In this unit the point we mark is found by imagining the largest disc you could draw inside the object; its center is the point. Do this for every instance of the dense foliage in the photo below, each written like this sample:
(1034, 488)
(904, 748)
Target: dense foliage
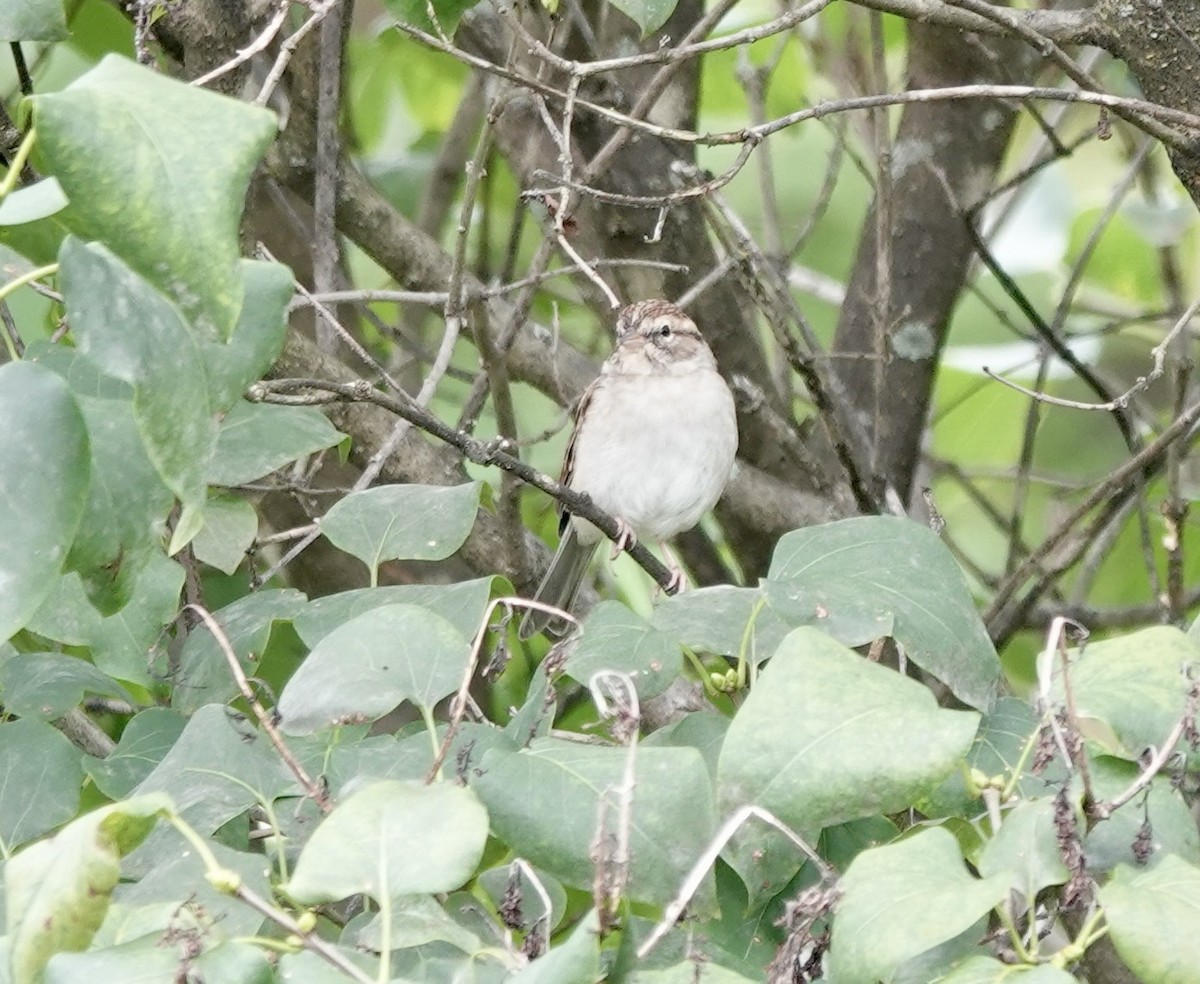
(263, 518)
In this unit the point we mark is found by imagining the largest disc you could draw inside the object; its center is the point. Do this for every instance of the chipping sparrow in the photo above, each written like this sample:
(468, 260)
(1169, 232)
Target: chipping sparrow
(654, 442)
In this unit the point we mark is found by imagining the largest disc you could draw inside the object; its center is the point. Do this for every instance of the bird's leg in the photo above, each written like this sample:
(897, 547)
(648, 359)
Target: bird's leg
(678, 579)
(626, 538)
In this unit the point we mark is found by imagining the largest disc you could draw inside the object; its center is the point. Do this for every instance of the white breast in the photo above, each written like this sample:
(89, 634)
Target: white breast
(657, 450)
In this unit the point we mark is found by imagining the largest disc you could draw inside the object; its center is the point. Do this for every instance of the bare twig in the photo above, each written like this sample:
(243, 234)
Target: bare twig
(612, 862)
(706, 860)
(480, 452)
(1159, 758)
(261, 41)
(1159, 352)
(315, 790)
(288, 48)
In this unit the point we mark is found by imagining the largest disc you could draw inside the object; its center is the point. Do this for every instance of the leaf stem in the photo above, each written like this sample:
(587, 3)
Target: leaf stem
(1013, 936)
(225, 880)
(701, 672)
(1010, 787)
(746, 634)
(27, 278)
(431, 728)
(18, 164)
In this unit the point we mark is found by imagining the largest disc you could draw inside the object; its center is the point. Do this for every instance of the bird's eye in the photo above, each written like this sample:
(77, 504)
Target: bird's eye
(663, 330)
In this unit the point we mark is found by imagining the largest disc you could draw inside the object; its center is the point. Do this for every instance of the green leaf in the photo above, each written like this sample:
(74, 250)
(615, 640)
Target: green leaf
(691, 972)
(904, 899)
(402, 522)
(257, 438)
(496, 882)
(985, 970)
(371, 664)
(716, 620)
(1169, 822)
(418, 920)
(212, 773)
(545, 803)
(144, 743)
(649, 15)
(32, 20)
(461, 604)
(128, 504)
(204, 676)
(1152, 918)
(307, 968)
(43, 485)
(179, 878)
(416, 13)
(392, 839)
(1026, 848)
(872, 576)
(841, 844)
(58, 890)
(39, 781)
(257, 337)
(345, 764)
(574, 961)
(178, 159)
(47, 685)
(535, 716)
(230, 526)
(702, 730)
(132, 332)
(824, 737)
(124, 645)
(1135, 684)
(140, 961)
(235, 962)
(997, 752)
(38, 201)
(615, 638)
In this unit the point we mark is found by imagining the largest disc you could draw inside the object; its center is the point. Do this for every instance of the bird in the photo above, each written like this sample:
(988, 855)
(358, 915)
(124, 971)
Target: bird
(654, 443)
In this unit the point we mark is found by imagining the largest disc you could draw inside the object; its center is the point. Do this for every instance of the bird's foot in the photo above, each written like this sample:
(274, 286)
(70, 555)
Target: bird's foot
(626, 538)
(678, 581)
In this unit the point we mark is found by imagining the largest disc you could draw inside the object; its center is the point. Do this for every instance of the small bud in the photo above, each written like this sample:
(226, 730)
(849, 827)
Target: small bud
(224, 880)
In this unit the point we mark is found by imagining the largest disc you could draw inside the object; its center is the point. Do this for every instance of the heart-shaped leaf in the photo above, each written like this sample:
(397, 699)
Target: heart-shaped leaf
(545, 803)
(1152, 918)
(873, 576)
(176, 160)
(393, 839)
(824, 737)
(901, 900)
(402, 522)
(43, 446)
(372, 663)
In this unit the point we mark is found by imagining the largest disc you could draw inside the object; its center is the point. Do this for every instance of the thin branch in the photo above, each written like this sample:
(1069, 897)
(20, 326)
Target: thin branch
(1070, 27)
(1160, 757)
(288, 48)
(325, 253)
(612, 866)
(458, 706)
(695, 877)
(313, 789)
(1132, 470)
(1180, 141)
(260, 43)
(1159, 352)
(479, 452)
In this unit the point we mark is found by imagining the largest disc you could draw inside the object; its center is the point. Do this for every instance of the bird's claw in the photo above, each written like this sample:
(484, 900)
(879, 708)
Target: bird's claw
(625, 540)
(677, 582)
